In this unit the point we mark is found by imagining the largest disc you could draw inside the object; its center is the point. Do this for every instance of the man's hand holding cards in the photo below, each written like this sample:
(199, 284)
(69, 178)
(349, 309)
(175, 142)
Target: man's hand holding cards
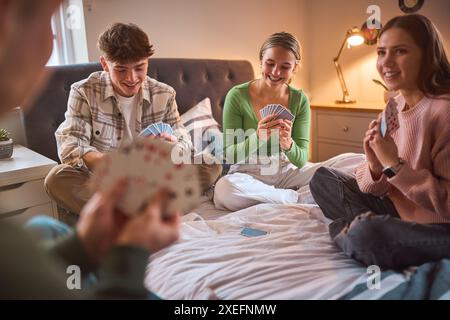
(159, 129)
(148, 168)
(156, 129)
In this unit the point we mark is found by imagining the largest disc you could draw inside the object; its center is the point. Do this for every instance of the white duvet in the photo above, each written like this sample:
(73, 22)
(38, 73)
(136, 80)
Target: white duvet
(295, 260)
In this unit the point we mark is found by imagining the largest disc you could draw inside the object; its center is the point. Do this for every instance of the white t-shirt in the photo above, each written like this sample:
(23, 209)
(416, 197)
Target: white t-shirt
(128, 107)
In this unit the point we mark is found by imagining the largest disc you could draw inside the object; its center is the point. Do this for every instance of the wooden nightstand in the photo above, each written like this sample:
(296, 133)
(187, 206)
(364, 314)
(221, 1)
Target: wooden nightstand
(22, 193)
(337, 128)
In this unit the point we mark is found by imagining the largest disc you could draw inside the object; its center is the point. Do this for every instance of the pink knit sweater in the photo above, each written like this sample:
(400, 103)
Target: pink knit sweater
(420, 189)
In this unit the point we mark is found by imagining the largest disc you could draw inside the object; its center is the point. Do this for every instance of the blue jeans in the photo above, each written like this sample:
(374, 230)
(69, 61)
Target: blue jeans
(45, 228)
(369, 229)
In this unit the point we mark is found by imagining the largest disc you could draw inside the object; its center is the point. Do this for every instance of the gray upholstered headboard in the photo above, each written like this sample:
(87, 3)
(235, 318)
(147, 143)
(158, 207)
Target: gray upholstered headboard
(192, 79)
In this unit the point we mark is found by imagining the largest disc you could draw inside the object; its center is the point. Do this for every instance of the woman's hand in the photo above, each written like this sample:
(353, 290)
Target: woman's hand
(286, 135)
(264, 127)
(376, 168)
(385, 149)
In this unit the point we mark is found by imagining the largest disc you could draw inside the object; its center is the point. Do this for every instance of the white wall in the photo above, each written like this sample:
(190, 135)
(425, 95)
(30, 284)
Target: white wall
(235, 29)
(215, 29)
(328, 20)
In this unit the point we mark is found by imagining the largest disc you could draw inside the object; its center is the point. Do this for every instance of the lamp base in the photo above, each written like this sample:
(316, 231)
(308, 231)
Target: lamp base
(345, 101)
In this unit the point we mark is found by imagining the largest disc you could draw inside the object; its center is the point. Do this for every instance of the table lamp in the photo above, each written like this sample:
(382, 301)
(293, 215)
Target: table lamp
(353, 37)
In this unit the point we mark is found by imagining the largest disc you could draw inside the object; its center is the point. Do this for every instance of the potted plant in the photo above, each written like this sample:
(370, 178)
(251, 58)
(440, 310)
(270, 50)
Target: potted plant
(6, 144)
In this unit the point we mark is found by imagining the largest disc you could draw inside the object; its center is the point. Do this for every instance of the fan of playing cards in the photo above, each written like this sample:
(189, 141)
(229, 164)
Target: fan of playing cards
(156, 129)
(148, 167)
(277, 109)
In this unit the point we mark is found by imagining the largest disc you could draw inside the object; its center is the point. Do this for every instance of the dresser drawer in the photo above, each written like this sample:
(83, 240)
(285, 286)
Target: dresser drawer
(22, 195)
(343, 126)
(23, 215)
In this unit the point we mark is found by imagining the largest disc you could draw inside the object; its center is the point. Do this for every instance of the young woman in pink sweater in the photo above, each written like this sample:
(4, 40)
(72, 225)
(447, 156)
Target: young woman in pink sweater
(396, 212)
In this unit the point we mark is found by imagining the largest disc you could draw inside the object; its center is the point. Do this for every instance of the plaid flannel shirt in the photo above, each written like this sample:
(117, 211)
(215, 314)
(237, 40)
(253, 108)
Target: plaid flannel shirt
(94, 120)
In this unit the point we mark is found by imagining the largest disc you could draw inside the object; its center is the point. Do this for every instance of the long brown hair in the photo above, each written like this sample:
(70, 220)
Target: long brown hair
(434, 76)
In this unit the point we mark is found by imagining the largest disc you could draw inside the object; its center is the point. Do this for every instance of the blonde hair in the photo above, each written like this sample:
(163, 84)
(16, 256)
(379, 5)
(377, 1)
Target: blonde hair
(282, 39)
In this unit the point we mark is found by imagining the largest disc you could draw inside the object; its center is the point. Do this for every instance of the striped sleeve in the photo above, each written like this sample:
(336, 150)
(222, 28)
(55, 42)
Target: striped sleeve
(73, 136)
(172, 117)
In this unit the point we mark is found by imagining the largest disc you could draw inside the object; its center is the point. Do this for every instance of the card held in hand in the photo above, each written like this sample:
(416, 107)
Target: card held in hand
(389, 118)
(156, 129)
(148, 167)
(278, 110)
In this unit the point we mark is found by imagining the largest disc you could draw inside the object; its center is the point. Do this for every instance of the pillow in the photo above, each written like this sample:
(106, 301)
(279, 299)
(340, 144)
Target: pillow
(203, 128)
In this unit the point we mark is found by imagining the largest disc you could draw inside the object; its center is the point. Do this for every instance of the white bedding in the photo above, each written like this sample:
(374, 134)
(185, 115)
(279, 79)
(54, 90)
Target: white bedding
(296, 260)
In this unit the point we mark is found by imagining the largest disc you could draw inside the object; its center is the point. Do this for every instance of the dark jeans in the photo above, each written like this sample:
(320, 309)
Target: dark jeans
(369, 229)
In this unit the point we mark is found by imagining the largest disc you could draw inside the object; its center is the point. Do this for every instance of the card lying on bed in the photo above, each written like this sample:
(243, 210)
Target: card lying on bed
(147, 164)
(156, 129)
(277, 109)
(250, 232)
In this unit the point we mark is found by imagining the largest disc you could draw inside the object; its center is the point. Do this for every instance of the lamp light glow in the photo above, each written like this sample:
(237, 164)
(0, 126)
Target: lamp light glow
(355, 40)
(353, 37)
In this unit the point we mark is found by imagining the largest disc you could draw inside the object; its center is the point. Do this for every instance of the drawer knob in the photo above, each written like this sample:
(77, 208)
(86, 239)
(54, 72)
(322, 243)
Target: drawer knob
(345, 128)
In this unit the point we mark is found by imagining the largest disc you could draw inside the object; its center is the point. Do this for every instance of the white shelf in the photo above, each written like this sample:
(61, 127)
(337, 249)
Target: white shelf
(22, 192)
(24, 165)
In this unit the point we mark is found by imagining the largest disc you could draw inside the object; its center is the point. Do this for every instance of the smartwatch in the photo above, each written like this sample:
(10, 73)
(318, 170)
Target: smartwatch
(392, 171)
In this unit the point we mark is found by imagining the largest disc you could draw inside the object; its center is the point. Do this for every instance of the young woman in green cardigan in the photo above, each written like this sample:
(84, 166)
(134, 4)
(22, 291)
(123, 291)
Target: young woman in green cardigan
(268, 157)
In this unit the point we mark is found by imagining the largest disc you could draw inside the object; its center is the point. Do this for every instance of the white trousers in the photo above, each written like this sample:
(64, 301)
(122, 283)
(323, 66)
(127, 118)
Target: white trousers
(246, 186)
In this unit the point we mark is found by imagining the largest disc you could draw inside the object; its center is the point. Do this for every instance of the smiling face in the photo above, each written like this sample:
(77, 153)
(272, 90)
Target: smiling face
(399, 60)
(277, 66)
(126, 78)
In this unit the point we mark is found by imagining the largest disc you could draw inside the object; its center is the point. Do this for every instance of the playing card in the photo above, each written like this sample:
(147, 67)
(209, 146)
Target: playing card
(383, 126)
(152, 129)
(263, 112)
(147, 164)
(165, 128)
(145, 133)
(156, 129)
(267, 110)
(285, 114)
(250, 232)
(159, 127)
(272, 108)
(277, 109)
(389, 118)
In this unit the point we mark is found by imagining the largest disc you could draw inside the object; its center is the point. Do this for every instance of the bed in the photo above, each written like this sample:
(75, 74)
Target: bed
(296, 260)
